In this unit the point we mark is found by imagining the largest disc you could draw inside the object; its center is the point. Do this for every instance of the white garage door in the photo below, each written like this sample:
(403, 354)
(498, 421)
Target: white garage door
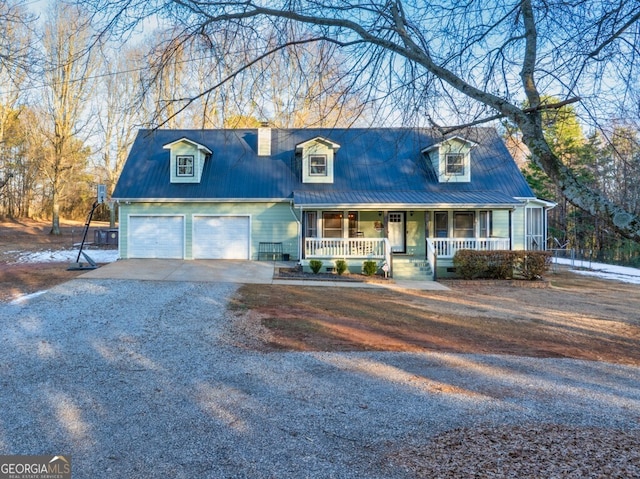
(221, 237)
(156, 237)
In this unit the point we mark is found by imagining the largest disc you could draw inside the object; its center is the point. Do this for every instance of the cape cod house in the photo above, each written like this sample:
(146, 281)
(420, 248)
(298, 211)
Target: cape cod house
(405, 198)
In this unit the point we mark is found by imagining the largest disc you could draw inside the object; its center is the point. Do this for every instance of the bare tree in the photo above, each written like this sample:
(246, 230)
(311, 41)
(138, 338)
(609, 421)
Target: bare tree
(16, 40)
(211, 79)
(475, 60)
(118, 114)
(16, 47)
(68, 66)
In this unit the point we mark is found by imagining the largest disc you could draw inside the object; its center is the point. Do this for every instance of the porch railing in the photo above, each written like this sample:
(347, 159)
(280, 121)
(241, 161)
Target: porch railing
(447, 247)
(370, 248)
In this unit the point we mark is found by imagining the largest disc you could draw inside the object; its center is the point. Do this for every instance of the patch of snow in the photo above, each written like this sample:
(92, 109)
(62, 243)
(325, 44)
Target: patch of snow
(26, 297)
(63, 256)
(625, 274)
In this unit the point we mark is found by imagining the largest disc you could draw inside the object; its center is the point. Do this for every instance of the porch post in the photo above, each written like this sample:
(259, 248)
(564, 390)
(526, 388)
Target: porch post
(385, 223)
(345, 224)
(301, 236)
(511, 230)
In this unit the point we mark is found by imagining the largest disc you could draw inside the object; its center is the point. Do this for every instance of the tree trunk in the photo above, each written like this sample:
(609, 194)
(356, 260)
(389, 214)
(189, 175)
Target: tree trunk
(55, 222)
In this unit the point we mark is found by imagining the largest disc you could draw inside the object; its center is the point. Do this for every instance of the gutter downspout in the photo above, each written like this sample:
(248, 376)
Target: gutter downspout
(526, 225)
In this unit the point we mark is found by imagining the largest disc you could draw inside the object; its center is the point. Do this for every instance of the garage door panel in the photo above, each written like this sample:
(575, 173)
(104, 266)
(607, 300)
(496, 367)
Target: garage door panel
(221, 237)
(156, 237)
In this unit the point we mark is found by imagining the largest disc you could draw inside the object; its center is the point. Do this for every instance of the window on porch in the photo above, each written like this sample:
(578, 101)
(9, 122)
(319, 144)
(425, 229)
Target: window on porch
(311, 224)
(485, 224)
(333, 225)
(441, 220)
(463, 224)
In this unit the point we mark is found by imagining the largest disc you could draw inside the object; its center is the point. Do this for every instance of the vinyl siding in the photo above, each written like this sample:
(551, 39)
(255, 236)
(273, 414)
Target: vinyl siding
(501, 223)
(269, 222)
(518, 228)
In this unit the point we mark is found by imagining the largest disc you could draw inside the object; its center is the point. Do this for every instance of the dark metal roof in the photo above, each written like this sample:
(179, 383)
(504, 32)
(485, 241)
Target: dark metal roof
(371, 165)
(432, 199)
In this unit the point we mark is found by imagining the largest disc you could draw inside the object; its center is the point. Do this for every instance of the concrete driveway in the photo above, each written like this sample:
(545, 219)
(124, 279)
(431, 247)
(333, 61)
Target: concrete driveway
(230, 271)
(218, 271)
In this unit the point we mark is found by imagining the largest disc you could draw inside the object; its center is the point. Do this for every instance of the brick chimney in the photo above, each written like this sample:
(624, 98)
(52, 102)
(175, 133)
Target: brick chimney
(264, 140)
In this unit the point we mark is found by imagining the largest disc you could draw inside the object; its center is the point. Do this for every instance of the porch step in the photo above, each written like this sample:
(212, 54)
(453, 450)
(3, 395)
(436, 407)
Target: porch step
(411, 268)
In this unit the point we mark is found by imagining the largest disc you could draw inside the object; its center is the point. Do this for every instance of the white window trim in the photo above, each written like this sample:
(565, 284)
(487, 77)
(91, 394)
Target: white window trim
(462, 163)
(187, 166)
(311, 224)
(485, 223)
(456, 227)
(324, 165)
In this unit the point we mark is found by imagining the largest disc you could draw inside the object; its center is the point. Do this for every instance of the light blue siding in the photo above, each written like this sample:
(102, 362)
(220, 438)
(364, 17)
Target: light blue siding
(270, 222)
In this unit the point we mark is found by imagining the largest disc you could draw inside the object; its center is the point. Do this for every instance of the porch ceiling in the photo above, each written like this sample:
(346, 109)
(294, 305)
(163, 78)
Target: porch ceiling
(403, 199)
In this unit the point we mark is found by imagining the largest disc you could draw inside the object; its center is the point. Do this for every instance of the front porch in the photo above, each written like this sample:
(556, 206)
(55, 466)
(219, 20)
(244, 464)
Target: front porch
(413, 243)
(407, 266)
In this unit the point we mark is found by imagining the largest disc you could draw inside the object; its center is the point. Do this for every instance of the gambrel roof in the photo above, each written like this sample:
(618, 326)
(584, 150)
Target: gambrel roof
(373, 166)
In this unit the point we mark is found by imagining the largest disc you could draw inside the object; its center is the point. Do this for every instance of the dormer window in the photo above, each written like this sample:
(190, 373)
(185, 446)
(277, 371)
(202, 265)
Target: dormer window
(318, 165)
(187, 159)
(454, 164)
(318, 157)
(451, 159)
(184, 164)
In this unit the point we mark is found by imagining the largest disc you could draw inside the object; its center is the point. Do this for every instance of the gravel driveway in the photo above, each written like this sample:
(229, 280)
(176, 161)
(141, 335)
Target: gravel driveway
(141, 379)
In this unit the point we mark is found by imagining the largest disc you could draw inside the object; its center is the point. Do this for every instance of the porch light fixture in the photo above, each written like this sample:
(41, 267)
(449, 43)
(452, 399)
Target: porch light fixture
(411, 213)
(379, 213)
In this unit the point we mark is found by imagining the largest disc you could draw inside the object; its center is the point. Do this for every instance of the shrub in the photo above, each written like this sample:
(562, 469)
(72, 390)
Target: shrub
(370, 268)
(530, 265)
(499, 264)
(533, 264)
(468, 264)
(341, 266)
(315, 265)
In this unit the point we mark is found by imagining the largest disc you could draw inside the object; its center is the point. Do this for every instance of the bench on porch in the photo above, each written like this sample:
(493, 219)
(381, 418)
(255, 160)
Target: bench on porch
(268, 251)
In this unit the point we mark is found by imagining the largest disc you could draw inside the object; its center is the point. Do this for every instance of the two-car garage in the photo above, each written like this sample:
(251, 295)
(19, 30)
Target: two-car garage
(213, 236)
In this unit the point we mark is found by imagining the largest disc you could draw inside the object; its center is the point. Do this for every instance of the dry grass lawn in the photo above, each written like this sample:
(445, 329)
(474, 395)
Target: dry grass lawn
(576, 317)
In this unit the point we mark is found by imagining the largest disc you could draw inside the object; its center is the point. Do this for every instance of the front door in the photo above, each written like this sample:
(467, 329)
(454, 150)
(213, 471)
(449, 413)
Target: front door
(396, 231)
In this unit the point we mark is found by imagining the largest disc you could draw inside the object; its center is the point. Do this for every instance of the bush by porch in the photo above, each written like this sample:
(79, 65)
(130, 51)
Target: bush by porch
(530, 265)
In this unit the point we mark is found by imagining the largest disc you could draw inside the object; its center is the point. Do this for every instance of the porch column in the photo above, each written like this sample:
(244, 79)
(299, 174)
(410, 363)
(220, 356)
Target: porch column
(345, 224)
(385, 223)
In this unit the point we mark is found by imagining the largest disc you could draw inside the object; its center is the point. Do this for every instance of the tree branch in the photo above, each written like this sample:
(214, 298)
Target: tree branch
(229, 77)
(549, 106)
(614, 36)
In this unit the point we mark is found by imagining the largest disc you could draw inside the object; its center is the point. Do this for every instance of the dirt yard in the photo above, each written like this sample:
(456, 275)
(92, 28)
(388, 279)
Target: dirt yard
(27, 235)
